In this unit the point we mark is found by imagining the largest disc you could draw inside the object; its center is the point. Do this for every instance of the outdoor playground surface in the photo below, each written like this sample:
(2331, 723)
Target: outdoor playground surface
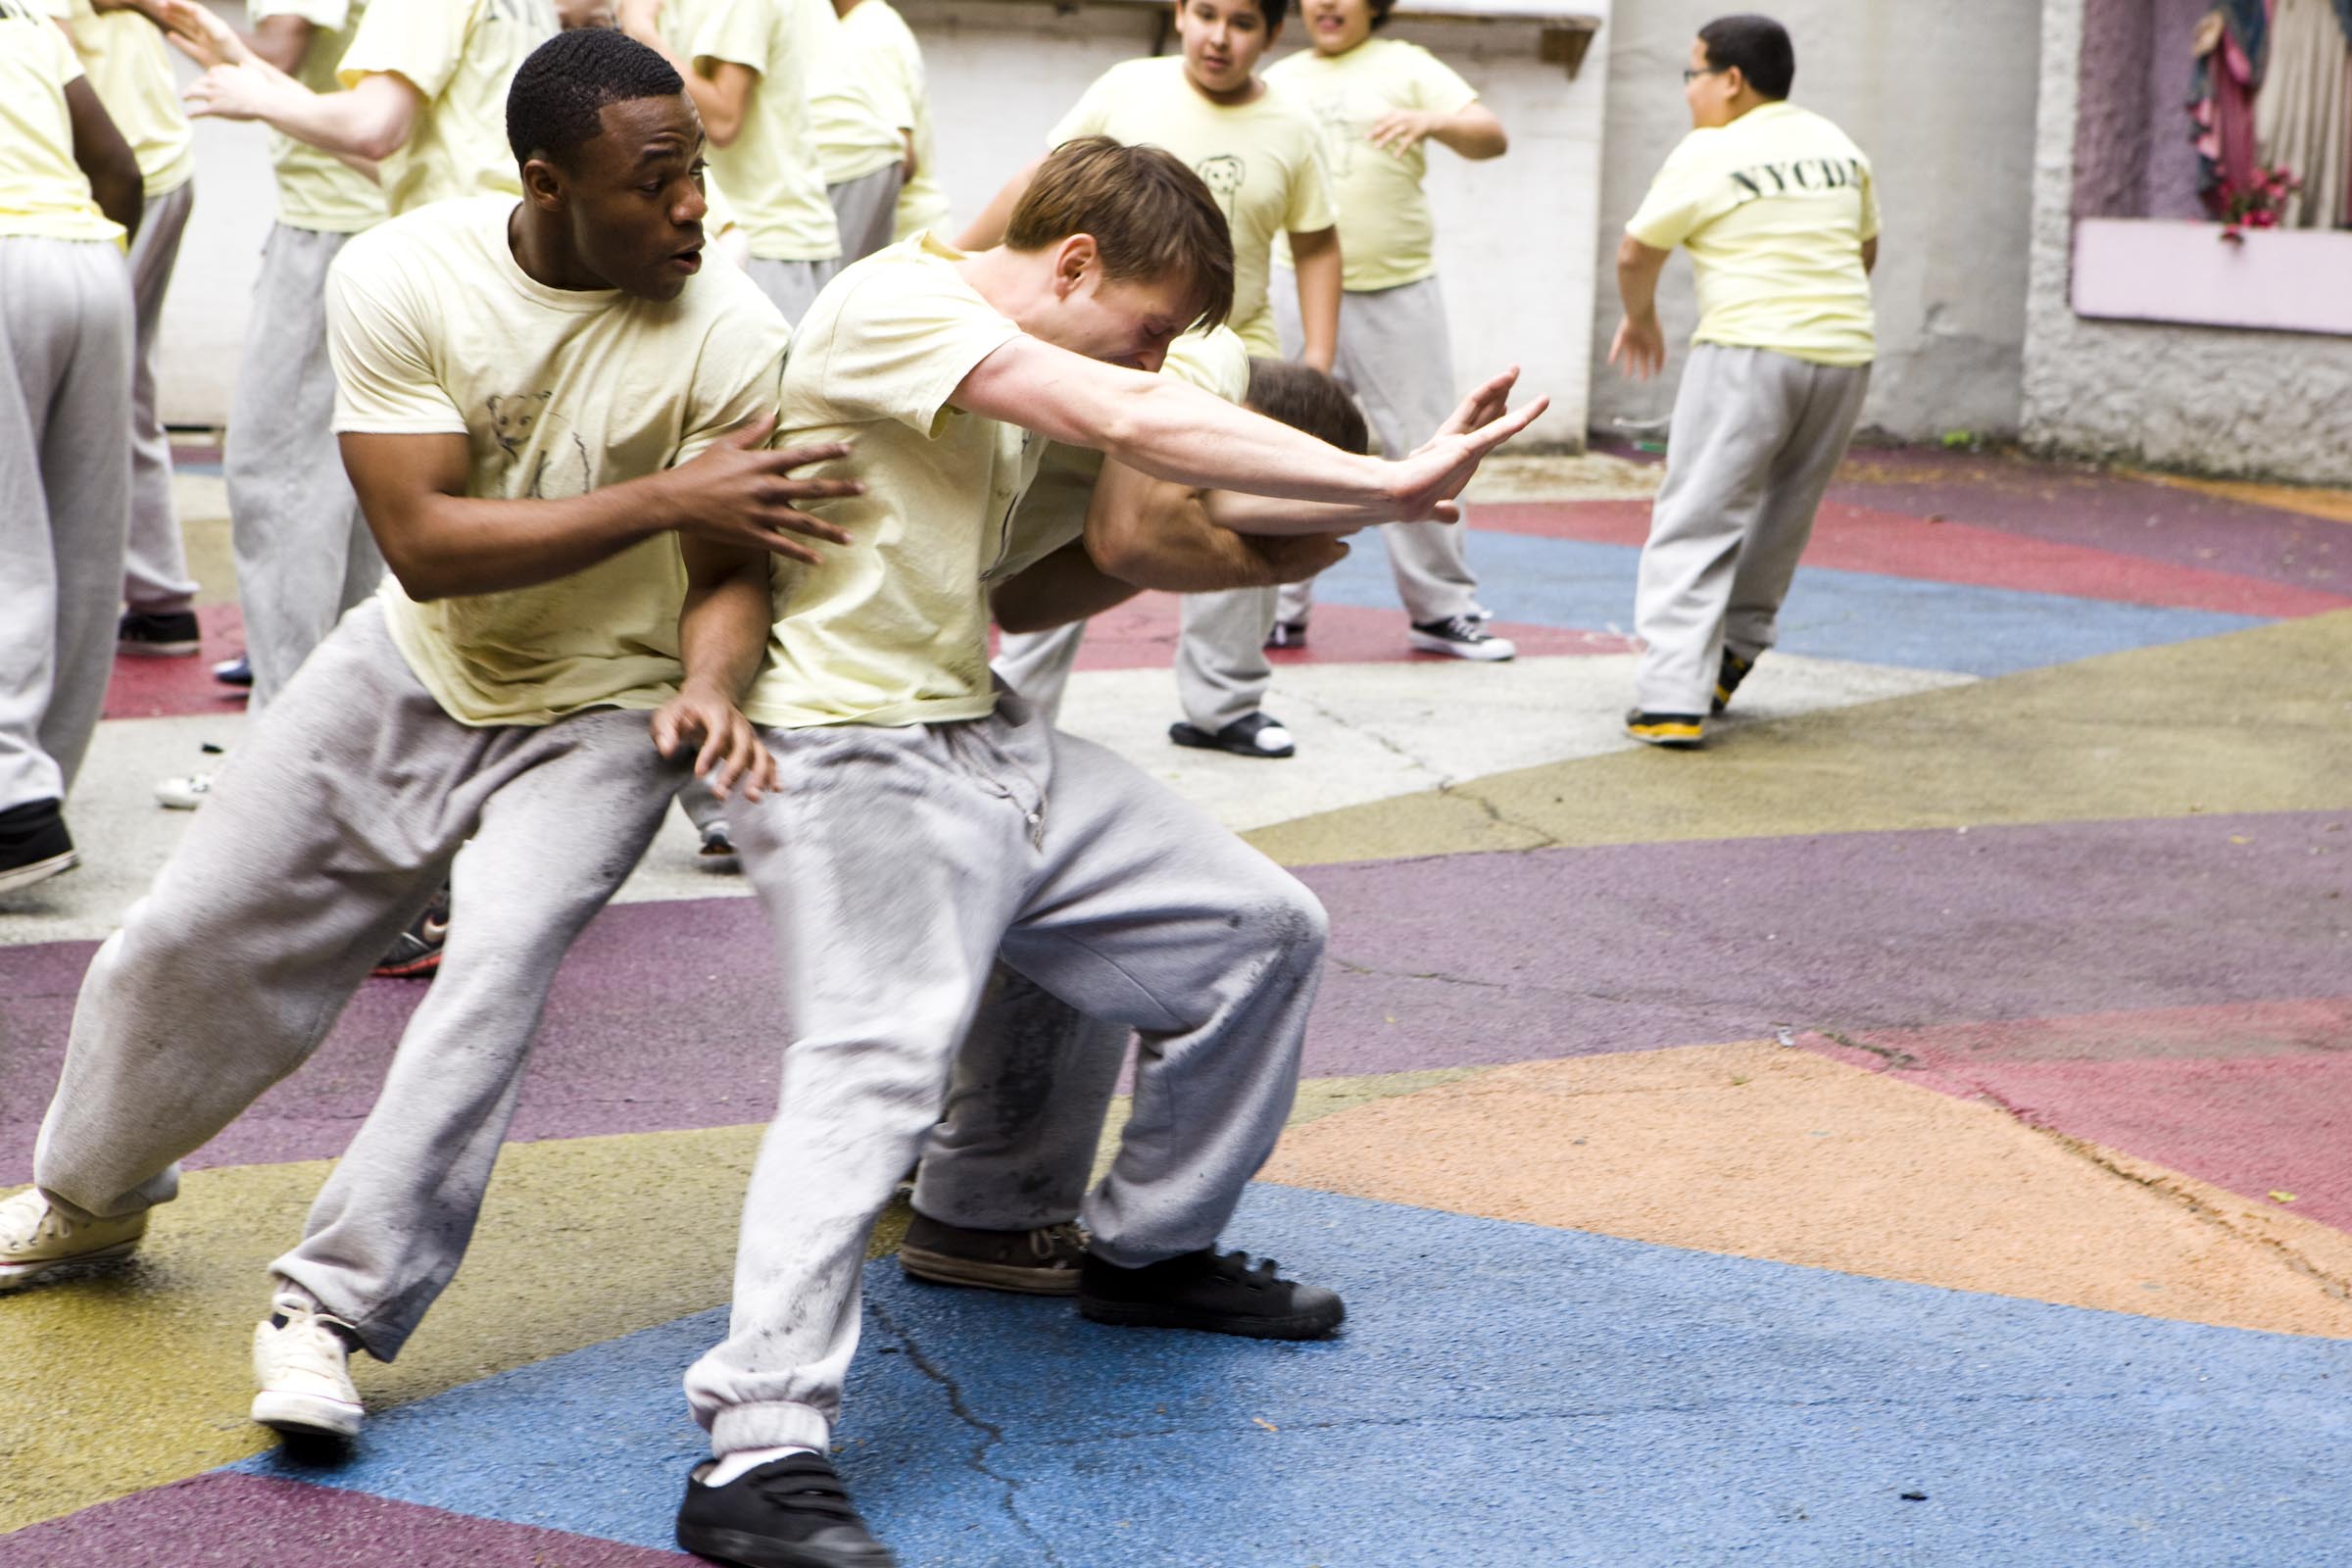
(1915, 1129)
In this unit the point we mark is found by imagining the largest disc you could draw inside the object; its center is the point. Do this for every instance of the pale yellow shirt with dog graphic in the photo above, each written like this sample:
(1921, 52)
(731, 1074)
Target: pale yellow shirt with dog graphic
(1258, 158)
(1773, 209)
(462, 55)
(892, 628)
(434, 328)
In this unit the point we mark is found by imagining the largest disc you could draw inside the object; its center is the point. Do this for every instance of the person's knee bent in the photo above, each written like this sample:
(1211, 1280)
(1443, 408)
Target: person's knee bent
(1282, 916)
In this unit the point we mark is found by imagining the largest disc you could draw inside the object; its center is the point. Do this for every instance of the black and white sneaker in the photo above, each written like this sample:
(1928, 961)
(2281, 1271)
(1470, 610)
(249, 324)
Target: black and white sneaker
(1462, 637)
(417, 951)
(1213, 1292)
(237, 672)
(147, 636)
(1251, 735)
(1286, 634)
(787, 1513)
(34, 845)
(718, 853)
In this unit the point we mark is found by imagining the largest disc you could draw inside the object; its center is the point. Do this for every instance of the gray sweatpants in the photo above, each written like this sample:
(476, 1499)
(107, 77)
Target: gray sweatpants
(866, 209)
(304, 551)
(64, 502)
(155, 564)
(790, 286)
(1755, 439)
(894, 865)
(1396, 356)
(1223, 672)
(334, 821)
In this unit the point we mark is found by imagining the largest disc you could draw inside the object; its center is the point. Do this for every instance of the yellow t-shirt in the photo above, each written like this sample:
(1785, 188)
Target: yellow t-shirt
(434, 328)
(129, 68)
(893, 628)
(317, 191)
(1053, 513)
(43, 192)
(770, 170)
(877, 30)
(461, 55)
(854, 107)
(1386, 238)
(1258, 158)
(1774, 208)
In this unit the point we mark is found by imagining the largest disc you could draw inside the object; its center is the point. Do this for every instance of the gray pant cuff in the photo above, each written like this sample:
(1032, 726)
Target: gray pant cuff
(769, 1426)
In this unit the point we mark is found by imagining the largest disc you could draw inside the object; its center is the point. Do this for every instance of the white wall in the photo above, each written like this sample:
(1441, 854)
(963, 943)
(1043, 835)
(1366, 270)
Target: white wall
(1942, 98)
(1515, 244)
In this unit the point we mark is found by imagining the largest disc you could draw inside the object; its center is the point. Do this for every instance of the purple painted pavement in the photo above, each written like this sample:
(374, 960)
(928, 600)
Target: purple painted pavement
(662, 1017)
(235, 1521)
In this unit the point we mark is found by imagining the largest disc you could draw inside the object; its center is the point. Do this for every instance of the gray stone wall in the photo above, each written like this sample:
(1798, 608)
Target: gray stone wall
(1942, 98)
(2240, 404)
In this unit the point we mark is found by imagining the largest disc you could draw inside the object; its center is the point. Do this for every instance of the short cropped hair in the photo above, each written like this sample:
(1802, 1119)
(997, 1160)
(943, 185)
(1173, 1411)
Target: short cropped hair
(1380, 11)
(1758, 45)
(1151, 218)
(561, 91)
(1305, 399)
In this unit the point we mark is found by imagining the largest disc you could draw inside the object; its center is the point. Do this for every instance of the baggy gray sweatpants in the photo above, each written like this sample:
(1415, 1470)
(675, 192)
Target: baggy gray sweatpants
(304, 551)
(866, 211)
(1395, 358)
(894, 864)
(331, 825)
(790, 286)
(64, 502)
(1223, 672)
(155, 564)
(1755, 439)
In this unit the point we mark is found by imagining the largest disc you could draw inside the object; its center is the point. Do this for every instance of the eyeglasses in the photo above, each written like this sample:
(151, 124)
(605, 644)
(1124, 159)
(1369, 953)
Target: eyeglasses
(1692, 74)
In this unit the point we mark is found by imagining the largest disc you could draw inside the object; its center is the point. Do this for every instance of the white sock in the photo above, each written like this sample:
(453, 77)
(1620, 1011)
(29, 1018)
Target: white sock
(731, 1465)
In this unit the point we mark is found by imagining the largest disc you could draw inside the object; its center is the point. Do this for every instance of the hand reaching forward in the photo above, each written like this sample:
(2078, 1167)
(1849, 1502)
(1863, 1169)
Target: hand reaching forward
(727, 749)
(1428, 478)
(740, 494)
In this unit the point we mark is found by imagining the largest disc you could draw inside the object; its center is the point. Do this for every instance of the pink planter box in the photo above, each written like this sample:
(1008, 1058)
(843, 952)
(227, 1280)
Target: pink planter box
(2155, 270)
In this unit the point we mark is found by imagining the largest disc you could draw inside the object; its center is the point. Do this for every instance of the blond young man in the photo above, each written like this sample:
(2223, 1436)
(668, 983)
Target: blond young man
(518, 689)
(748, 64)
(1379, 103)
(70, 195)
(924, 819)
(1780, 212)
(1257, 151)
(121, 50)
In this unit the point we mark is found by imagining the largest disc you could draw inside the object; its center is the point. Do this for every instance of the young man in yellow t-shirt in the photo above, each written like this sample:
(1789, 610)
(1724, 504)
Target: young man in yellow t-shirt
(122, 49)
(863, 119)
(70, 193)
(1255, 149)
(925, 820)
(532, 395)
(1379, 102)
(1780, 212)
(875, 30)
(748, 63)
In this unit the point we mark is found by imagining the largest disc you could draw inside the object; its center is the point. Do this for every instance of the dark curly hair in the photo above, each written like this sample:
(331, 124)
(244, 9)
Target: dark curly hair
(558, 92)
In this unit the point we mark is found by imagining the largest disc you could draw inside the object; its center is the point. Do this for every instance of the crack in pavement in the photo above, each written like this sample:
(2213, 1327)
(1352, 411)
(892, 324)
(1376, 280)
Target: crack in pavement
(990, 1434)
(1896, 1060)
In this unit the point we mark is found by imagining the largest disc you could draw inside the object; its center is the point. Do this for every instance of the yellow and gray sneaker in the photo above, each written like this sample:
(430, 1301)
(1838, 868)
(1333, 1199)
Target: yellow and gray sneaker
(1727, 678)
(37, 1239)
(1681, 732)
(302, 1360)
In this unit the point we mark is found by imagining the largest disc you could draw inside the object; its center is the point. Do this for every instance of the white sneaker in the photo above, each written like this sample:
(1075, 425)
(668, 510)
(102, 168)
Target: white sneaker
(1461, 637)
(304, 1369)
(184, 794)
(37, 1240)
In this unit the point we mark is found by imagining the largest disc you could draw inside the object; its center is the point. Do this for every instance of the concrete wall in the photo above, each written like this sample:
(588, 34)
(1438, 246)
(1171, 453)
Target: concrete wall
(2211, 401)
(1515, 244)
(1941, 97)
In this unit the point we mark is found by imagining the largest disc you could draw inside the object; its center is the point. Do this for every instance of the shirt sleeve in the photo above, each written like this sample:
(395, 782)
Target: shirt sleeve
(384, 380)
(1311, 206)
(328, 16)
(1688, 194)
(1437, 87)
(1216, 361)
(1087, 117)
(1870, 201)
(737, 32)
(898, 347)
(740, 377)
(421, 40)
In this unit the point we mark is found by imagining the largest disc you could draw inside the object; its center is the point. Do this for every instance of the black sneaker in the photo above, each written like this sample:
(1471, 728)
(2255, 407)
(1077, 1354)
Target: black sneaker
(237, 672)
(1462, 637)
(1286, 634)
(1728, 679)
(1677, 732)
(787, 1513)
(146, 636)
(1216, 1292)
(1040, 1262)
(34, 845)
(718, 853)
(1251, 735)
(417, 951)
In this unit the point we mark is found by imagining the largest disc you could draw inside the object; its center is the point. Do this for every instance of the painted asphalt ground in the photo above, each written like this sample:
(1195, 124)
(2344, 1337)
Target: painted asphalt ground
(1914, 1130)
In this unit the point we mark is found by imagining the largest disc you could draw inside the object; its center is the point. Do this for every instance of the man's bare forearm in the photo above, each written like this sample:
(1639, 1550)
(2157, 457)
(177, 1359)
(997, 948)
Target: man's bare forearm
(1320, 275)
(1637, 269)
(450, 545)
(1066, 586)
(723, 628)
